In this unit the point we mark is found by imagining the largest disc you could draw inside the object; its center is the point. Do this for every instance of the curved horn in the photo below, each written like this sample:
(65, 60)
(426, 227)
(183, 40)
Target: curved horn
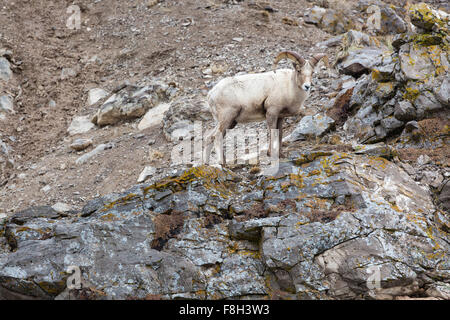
(290, 55)
(317, 57)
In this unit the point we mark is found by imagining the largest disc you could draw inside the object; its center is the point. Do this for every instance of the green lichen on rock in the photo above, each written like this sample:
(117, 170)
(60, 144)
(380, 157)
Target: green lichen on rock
(423, 16)
(427, 39)
(411, 94)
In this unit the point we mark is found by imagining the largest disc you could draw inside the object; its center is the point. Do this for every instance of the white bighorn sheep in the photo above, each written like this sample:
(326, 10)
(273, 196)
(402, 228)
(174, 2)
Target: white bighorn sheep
(269, 96)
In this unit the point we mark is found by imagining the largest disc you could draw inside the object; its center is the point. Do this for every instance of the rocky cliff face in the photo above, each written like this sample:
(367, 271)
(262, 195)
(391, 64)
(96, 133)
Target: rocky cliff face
(317, 230)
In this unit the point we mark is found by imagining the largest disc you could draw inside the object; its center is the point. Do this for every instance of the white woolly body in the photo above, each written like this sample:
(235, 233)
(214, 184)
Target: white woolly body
(253, 95)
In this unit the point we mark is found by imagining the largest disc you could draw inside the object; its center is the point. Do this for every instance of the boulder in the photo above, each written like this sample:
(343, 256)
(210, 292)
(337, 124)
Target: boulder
(95, 95)
(311, 126)
(6, 104)
(5, 69)
(415, 62)
(178, 121)
(427, 18)
(80, 125)
(81, 144)
(133, 102)
(154, 116)
(315, 15)
(442, 92)
(146, 173)
(361, 61)
(405, 111)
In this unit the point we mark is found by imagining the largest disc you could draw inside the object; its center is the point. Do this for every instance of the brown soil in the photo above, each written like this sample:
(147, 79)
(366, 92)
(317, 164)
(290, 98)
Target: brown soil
(132, 40)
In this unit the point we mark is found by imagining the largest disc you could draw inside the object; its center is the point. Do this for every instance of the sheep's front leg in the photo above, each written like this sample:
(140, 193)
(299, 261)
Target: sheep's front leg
(274, 144)
(280, 135)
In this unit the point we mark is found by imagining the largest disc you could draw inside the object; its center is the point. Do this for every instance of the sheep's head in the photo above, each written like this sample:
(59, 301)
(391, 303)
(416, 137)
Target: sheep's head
(304, 68)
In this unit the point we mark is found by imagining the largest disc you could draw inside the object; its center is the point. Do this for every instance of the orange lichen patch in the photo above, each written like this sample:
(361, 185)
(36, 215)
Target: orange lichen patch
(421, 222)
(25, 229)
(51, 288)
(438, 252)
(416, 218)
(109, 217)
(211, 178)
(249, 253)
(296, 180)
(435, 52)
(378, 162)
(385, 88)
(411, 94)
(313, 173)
(124, 200)
(299, 224)
(395, 207)
(328, 165)
(310, 157)
(233, 247)
(317, 203)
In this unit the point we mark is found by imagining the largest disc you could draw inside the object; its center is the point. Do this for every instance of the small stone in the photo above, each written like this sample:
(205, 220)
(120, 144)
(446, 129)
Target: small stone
(238, 39)
(81, 144)
(85, 157)
(5, 70)
(432, 178)
(22, 176)
(405, 111)
(146, 173)
(60, 207)
(68, 73)
(80, 125)
(391, 124)
(154, 116)
(51, 104)
(46, 189)
(207, 71)
(423, 160)
(95, 95)
(6, 104)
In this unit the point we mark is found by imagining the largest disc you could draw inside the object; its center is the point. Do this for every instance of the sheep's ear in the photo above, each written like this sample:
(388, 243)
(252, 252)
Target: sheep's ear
(297, 67)
(317, 57)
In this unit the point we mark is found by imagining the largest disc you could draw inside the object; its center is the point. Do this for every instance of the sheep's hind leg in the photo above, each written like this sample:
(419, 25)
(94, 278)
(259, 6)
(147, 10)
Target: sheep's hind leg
(228, 123)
